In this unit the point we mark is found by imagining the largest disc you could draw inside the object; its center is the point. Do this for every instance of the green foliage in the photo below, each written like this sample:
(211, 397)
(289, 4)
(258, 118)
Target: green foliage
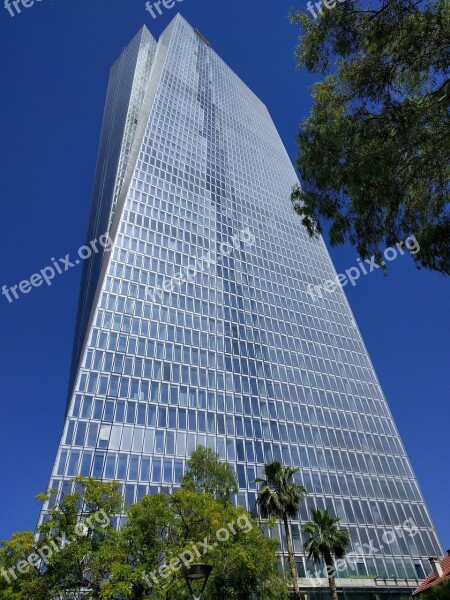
(160, 529)
(374, 154)
(12, 551)
(278, 494)
(143, 559)
(207, 474)
(72, 549)
(325, 538)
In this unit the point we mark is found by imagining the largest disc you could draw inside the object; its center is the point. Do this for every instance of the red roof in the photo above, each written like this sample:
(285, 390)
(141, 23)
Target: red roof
(431, 580)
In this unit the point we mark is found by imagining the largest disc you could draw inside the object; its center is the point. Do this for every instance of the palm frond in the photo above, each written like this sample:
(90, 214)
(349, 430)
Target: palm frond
(325, 538)
(279, 495)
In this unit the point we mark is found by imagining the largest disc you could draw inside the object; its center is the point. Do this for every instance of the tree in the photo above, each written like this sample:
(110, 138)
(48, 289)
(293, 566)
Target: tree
(193, 527)
(205, 473)
(13, 552)
(91, 560)
(374, 154)
(73, 548)
(325, 540)
(279, 496)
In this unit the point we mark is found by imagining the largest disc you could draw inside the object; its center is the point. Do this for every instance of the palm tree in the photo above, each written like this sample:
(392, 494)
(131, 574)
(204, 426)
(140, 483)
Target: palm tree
(279, 496)
(326, 540)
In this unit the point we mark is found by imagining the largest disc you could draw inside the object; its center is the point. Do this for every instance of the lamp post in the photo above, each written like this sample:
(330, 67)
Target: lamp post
(196, 573)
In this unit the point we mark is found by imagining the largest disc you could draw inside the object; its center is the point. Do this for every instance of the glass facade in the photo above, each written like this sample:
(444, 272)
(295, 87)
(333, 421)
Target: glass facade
(126, 90)
(237, 357)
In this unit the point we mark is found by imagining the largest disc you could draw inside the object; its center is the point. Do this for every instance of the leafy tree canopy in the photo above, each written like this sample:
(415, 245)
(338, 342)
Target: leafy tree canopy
(207, 474)
(163, 529)
(374, 154)
(73, 548)
(143, 559)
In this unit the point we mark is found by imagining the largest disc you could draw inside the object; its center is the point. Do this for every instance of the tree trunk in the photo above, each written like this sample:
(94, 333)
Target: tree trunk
(331, 579)
(291, 559)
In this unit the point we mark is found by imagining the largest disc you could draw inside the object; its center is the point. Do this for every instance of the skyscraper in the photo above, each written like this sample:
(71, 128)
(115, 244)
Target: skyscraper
(197, 327)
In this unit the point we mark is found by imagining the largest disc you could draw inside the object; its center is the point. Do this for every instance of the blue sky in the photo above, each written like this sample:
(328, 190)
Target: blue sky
(55, 61)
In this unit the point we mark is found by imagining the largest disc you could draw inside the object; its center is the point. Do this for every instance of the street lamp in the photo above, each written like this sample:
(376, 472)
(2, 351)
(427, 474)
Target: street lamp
(196, 573)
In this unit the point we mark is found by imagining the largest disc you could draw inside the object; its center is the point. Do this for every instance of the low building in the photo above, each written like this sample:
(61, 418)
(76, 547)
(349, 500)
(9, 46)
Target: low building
(440, 573)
